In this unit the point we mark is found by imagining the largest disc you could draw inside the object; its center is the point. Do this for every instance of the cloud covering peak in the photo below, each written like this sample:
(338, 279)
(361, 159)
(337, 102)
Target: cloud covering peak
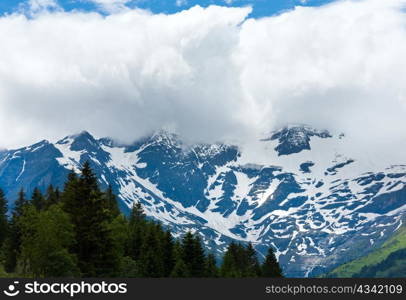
(209, 73)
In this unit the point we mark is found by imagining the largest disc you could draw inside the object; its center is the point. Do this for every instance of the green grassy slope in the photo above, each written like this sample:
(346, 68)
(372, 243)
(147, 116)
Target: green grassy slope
(396, 242)
(393, 266)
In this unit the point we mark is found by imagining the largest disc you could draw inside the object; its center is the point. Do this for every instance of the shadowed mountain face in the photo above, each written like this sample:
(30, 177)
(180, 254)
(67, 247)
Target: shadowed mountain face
(317, 205)
(294, 139)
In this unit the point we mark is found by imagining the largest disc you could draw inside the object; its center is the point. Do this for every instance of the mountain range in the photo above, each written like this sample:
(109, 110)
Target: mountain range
(298, 189)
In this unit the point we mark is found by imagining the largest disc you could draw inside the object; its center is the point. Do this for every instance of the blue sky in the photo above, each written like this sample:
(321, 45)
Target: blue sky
(260, 7)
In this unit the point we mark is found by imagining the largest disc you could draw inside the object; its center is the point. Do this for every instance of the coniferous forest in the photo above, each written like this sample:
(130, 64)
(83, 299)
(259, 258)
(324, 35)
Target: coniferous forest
(80, 232)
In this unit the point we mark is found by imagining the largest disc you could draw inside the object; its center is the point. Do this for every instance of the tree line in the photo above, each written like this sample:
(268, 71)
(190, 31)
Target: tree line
(80, 232)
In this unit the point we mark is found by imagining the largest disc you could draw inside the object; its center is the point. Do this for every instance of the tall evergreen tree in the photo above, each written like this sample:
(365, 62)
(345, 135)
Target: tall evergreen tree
(119, 234)
(193, 255)
(3, 218)
(13, 241)
(151, 260)
(231, 261)
(198, 266)
(111, 202)
(253, 268)
(20, 203)
(137, 225)
(84, 202)
(240, 261)
(137, 214)
(70, 197)
(52, 196)
(271, 267)
(211, 270)
(180, 269)
(37, 199)
(168, 253)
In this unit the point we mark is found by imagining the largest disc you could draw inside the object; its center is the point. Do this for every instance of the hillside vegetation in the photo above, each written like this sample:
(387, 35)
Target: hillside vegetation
(80, 232)
(379, 257)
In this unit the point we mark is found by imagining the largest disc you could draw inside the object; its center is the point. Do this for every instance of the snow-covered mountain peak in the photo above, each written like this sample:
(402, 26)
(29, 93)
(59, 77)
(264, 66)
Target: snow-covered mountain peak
(301, 191)
(294, 138)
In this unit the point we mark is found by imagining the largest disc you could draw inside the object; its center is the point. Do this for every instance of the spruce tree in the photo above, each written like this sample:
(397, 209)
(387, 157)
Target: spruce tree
(52, 196)
(271, 267)
(111, 202)
(168, 253)
(128, 268)
(70, 197)
(211, 270)
(37, 199)
(20, 203)
(84, 202)
(151, 260)
(232, 261)
(253, 268)
(193, 255)
(180, 270)
(13, 241)
(3, 218)
(137, 225)
(187, 252)
(137, 214)
(198, 267)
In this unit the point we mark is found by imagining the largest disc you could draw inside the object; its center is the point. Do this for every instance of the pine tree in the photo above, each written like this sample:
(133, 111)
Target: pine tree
(231, 261)
(111, 202)
(70, 197)
(20, 203)
(13, 241)
(199, 262)
(193, 255)
(128, 268)
(119, 234)
(137, 225)
(137, 214)
(84, 202)
(151, 260)
(180, 270)
(187, 252)
(37, 199)
(168, 253)
(240, 261)
(253, 268)
(211, 270)
(271, 267)
(52, 196)
(3, 218)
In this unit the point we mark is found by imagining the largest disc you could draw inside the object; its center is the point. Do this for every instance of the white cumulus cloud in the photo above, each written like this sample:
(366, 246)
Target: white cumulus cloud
(211, 73)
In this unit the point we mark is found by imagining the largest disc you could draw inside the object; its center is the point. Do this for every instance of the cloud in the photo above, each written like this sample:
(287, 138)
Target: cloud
(334, 66)
(122, 75)
(111, 6)
(180, 2)
(210, 73)
(32, 7)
